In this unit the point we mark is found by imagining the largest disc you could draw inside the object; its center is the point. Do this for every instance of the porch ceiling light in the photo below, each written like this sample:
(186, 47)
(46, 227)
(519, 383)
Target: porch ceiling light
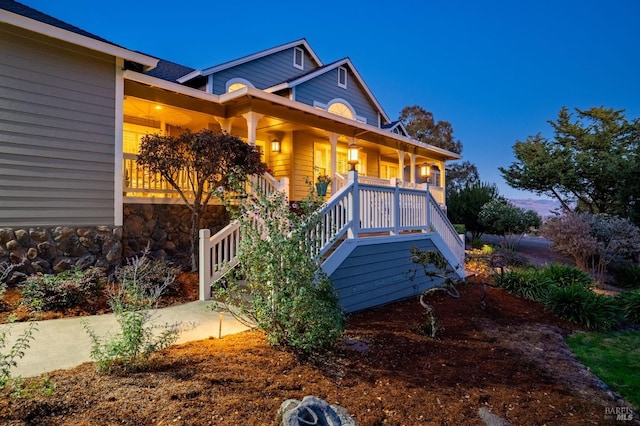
(352, 155)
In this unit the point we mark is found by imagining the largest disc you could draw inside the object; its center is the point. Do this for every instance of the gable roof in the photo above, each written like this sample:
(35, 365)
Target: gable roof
(20, 15)
(249, 58)
(325, 69)
(396, 125)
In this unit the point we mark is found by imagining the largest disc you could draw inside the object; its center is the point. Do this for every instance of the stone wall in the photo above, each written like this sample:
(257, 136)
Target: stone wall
(165, 229)
(56, 249)
(162, 228)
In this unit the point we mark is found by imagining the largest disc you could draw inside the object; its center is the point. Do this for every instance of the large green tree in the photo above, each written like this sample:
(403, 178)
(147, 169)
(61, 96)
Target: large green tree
(591, 163)
(421, 126)
(460, 175)
(463, 205)
(197, 165)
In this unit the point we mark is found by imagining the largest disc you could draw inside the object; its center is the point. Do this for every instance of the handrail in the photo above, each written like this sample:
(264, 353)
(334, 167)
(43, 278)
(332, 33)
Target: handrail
(355, 209)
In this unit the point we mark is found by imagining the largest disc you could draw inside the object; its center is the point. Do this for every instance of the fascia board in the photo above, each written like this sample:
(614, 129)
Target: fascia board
(70, 37)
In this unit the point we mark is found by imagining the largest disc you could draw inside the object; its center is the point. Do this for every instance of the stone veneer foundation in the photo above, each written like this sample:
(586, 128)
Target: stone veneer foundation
(163, 228)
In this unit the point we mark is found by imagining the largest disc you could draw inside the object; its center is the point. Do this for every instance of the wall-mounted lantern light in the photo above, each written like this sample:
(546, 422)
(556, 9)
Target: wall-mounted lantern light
(275, 145)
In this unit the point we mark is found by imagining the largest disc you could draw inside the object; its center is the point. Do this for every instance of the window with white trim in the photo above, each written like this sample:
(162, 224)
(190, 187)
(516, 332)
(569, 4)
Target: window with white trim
(342, 77)
(298, 58)
(341, 109)
(236, 84)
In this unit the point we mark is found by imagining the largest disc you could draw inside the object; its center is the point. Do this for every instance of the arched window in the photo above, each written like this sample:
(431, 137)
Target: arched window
(342, 108)
(237, 83)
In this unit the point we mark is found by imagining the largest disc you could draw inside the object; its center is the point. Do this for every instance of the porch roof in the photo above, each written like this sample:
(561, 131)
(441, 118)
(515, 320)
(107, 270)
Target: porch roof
(248, 99)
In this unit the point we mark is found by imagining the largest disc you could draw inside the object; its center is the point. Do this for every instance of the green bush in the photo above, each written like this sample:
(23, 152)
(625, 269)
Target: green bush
(147, 275)
(133, 302)
(460, 228)
(528, 283)
(629, 302)
(628, 276)
(64, 290)
(582, 306)
(287, 295)
(565, 275)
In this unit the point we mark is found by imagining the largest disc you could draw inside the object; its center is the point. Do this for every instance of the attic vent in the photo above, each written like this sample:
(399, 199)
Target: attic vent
(342, 77)
(298, 58)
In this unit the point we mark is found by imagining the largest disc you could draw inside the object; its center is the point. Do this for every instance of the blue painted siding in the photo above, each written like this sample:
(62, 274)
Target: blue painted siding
(264, 72)
(325, 87)
(375, 274)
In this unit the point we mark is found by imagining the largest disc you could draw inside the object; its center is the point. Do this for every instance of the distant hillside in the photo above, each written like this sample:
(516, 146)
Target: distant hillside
(543, 207)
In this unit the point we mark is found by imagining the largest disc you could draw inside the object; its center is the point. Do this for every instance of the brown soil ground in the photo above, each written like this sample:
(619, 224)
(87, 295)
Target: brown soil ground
(508, 358)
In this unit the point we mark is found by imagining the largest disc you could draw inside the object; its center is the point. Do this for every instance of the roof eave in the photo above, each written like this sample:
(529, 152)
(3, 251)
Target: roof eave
(10, 18)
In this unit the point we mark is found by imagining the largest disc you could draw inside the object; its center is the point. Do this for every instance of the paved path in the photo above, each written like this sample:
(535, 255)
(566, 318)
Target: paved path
(64, 343)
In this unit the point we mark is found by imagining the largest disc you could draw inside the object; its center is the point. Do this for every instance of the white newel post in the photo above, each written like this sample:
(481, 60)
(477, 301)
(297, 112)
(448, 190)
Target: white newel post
(428, 212)
(354, 213)
(284, 186)
(205, 264)
(396, 207)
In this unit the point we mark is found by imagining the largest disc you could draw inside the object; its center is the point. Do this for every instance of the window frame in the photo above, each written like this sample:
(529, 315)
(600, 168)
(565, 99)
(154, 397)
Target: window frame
(342, 71)
(296, 51)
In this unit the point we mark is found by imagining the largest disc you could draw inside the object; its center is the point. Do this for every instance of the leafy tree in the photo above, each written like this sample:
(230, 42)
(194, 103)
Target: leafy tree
(592, 162)
(500, 217)
(460, 175)
(421, 126)
(464, 205)
(209, 160)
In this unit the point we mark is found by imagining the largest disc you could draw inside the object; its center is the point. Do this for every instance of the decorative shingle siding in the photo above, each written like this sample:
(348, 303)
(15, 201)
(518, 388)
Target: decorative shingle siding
(264, 72)
(56, 132)
(324, 88)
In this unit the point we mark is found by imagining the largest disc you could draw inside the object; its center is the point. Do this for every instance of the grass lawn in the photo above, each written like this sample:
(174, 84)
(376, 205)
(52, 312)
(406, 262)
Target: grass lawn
(614, 357)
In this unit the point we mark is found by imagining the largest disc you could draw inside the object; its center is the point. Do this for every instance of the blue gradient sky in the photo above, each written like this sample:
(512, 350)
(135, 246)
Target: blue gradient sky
(496, 70)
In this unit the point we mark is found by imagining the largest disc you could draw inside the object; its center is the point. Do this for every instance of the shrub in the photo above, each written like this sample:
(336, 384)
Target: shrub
(146, 274)
(287, 295)
(564, 275)
(502, 218)
(628, 276)
(460, 228)
(629, 302)
(527, 283)
(133, 301)
(64, 290)
(582, 306)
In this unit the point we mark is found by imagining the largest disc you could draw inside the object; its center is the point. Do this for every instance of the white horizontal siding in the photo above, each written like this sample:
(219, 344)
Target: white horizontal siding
(57, 132)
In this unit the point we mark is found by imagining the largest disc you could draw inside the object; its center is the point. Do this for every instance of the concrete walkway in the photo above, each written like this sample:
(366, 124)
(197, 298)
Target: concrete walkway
(64, 343)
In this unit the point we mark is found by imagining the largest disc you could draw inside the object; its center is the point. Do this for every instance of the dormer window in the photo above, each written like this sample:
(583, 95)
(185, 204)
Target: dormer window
(342, 77)
(298, 58)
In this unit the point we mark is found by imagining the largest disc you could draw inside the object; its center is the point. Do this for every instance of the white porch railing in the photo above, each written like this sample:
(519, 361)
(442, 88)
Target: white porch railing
(218, 254)
(437, 191)
(358, 209)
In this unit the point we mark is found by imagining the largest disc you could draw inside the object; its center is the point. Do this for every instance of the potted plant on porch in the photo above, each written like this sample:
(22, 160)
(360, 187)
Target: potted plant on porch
(322, 184)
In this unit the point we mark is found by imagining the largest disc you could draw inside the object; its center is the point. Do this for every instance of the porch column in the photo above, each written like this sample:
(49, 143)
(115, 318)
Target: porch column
(354, 212)
(413, 167)
(252, 124)
(400, 165)
(333, 140)
(225, 123)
